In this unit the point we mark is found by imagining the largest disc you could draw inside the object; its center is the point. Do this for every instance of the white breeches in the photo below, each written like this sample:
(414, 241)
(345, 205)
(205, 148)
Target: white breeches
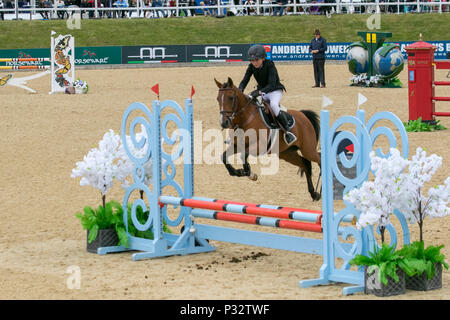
(274, 98)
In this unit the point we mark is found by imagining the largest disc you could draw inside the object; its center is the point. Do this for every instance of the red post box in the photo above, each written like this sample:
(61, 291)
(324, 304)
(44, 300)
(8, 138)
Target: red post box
(420, 81)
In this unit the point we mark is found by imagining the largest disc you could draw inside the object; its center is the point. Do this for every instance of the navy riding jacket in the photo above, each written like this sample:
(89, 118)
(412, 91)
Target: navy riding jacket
(319, 44)
(266, 76)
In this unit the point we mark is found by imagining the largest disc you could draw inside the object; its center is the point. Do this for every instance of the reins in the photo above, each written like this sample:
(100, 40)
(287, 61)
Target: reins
(235, 112)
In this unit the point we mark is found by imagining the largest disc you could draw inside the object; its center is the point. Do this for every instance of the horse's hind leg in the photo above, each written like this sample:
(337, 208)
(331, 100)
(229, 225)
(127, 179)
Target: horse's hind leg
(304, 165)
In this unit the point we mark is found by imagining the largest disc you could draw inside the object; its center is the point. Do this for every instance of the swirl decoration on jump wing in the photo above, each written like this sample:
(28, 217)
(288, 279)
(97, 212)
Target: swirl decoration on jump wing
(179, 141)
(389, 134)
(143, 147)
(361, 143)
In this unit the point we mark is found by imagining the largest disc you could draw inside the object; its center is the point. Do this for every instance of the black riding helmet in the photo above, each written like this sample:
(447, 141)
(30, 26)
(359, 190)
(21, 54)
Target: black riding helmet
(256, 52)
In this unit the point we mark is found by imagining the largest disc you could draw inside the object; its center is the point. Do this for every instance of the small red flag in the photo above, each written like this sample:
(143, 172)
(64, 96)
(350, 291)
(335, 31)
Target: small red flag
(350, 148)
(155, 89)
(192, 91)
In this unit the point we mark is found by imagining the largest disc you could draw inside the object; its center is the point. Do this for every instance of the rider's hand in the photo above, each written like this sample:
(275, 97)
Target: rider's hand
(254, 94)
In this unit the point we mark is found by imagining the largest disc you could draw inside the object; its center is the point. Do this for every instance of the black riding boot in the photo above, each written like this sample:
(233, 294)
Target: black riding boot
(289, 137)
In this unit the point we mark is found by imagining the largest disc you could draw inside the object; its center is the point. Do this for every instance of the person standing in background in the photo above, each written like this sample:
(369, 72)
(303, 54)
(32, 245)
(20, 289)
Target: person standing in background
(318, 47)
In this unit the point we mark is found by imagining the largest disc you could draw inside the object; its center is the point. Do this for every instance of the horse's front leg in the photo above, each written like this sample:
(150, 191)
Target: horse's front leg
(231, 170)
(245, 171)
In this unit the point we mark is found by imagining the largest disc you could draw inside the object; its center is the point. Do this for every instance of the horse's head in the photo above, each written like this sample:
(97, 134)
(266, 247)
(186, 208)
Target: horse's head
(228, 99)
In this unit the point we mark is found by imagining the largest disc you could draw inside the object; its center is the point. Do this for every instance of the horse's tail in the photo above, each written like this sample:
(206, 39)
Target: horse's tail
(313, 117)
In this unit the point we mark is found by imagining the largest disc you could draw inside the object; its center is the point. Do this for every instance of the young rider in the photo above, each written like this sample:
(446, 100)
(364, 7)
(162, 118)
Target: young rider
(269, 86)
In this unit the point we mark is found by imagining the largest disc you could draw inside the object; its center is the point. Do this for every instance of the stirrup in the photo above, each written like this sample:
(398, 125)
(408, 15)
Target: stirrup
(289, 137)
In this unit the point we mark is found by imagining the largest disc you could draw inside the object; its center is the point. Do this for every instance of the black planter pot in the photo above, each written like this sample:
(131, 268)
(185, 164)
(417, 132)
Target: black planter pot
(422, 283)
(105, 238)
(372, 285)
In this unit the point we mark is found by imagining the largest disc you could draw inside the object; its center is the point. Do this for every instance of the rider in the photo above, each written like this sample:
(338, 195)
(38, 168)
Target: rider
(269, 86)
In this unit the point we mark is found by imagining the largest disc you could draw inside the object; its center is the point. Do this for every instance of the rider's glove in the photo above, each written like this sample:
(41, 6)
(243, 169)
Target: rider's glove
(254, 94)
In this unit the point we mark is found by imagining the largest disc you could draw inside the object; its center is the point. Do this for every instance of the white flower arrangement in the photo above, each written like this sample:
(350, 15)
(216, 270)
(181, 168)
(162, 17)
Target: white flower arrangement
(109, 161)
(102, 165)
(363, 80)
(80, 86)
(394, 188)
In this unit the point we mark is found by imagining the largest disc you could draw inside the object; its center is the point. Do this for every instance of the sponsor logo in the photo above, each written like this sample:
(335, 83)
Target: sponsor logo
(90, 57)
(153, 53)
(217, 52)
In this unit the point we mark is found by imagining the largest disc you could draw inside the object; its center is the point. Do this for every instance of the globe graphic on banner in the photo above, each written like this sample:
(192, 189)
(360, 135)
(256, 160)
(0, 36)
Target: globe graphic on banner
(389, 65)
(358, 60)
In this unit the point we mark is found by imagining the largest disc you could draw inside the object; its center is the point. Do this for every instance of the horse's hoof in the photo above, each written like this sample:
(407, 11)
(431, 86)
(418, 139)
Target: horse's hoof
(316, 196)
(240, 173)
(253, 176)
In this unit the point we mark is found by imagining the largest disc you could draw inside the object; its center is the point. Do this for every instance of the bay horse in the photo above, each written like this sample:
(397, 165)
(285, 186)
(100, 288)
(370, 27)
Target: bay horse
(238, 111)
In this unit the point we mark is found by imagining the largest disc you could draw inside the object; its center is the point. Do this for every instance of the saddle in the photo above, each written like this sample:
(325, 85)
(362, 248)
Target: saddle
(269, 118)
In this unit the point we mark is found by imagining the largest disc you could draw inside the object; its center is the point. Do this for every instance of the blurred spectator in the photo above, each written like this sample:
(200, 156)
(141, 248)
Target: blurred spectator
(121, 4)
(173, 12)
(249, 7)
(91, 4)
(184, 4)
(281, 5)
(1, 12)
(147, 4)
(99, 6)
(45, 4)
(106, 4)
(192, 3)
(328, 9)
(131, 4)
(83, 4)
(158, 4)
(209, 11)
(61, 5)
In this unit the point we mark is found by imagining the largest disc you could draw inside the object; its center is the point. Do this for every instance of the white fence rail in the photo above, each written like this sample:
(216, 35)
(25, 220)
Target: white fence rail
(260, 7)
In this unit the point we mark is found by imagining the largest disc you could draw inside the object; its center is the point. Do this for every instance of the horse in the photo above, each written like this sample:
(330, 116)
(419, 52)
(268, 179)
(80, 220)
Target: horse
(239, 111)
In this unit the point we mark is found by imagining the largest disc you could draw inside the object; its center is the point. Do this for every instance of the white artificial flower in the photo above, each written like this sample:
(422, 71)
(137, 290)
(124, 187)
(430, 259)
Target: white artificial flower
(101, 165)
(394, 188)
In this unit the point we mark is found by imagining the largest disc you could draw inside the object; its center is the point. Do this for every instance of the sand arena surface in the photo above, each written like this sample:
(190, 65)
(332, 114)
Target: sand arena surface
(43, 136)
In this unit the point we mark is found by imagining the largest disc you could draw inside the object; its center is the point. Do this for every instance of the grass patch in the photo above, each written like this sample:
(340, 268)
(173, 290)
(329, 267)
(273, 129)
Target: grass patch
(209, 30)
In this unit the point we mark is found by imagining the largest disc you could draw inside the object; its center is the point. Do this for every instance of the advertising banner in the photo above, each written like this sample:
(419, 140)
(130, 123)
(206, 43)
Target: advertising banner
(217, 53)
(83, 55)
(337, 50)
(300, 51)
(153, 54)
(197, 53)
(98, 55)
(26, 53)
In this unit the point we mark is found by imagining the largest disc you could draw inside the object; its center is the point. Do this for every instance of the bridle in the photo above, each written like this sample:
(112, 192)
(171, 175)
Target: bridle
(231, 114)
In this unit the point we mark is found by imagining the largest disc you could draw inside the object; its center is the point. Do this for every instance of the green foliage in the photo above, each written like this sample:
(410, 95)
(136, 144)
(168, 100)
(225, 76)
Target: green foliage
(418, 259)
(142, 218)
(385, 258)
(419, 126)
(101, 218)
(112, 217)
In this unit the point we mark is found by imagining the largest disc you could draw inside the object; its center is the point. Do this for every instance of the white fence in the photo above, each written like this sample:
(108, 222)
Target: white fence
(249, 7)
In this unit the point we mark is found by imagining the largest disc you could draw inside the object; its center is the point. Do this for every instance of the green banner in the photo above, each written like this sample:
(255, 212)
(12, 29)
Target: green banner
(25, 53)
(98, 55)
(83, 55)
